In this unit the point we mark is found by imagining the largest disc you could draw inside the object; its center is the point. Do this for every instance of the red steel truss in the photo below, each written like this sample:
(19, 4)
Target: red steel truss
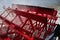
(28, 22)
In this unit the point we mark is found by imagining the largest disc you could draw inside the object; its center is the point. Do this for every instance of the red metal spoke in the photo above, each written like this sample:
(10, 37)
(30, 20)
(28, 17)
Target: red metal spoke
(21, 19)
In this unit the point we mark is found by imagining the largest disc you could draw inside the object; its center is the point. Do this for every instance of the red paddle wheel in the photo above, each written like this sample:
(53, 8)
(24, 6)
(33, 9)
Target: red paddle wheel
(22, 22)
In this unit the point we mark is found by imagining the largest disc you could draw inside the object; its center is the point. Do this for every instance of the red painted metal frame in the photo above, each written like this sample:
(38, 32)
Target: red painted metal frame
(41, 16)
(37, 9)
(17, 29)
